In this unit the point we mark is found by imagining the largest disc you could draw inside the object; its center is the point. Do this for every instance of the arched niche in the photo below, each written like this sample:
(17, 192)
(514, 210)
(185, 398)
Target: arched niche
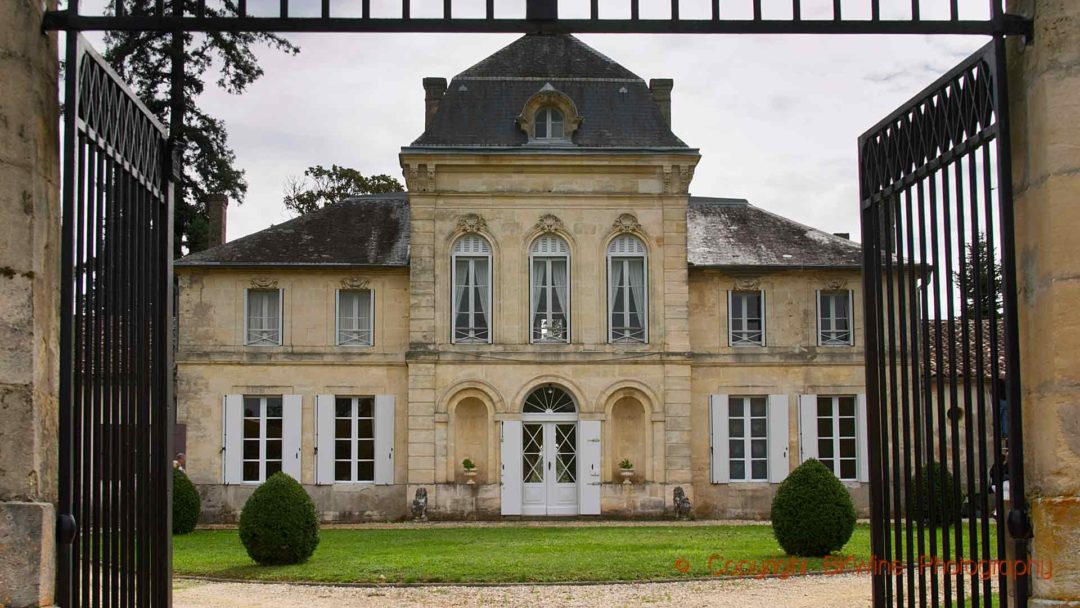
(629, 435)
(471, 430)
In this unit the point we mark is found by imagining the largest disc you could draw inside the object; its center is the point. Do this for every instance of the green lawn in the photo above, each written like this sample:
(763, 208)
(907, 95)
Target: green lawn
(512, 554)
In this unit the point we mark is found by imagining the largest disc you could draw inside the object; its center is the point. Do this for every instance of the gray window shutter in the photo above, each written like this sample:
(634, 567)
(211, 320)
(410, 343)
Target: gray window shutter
(807, 427)
(384, 440)
(590, 467)
(291, 433)
(718, 417)
(512, 483)
(779, 463)
(324, 439)
(232, 438)
(862, 429)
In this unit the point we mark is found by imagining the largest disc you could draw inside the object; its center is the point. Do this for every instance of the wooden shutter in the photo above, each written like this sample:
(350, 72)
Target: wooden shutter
(862, 430)
(718, 417)
(384, 440)
(590, 467)
(324, 439)
(232, 438)
(291, 432)
(511, 467)
(779, 464)
(807, 427)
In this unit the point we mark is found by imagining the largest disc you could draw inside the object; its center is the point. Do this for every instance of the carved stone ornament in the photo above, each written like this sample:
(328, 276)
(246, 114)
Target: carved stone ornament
(747, 284)
(263, 283)
(681, 503)
(420, 178)
(835, 284)
(354, 283)
(549, 223)
(420, 505)
(549, 96)
(471, 222)
(626, 223)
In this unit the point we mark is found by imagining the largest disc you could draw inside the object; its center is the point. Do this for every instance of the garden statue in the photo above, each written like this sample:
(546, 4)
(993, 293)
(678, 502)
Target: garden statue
(419, 505)
(682, 504)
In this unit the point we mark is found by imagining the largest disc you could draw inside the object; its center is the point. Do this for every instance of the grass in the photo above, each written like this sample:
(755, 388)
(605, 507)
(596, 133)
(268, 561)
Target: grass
(512, 554)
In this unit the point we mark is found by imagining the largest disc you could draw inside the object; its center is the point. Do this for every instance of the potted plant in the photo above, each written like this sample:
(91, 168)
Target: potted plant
(470, 471)
(626, 469)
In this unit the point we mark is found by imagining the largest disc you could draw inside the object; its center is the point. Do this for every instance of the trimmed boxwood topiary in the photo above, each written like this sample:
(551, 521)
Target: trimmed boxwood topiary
(278, 524)
(936, 480)
(186, 504)
(812, 513)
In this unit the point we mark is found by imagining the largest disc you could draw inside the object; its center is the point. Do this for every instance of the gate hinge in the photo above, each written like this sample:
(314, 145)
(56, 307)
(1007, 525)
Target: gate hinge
(1019, 524)
(174, 159)
(66, 528)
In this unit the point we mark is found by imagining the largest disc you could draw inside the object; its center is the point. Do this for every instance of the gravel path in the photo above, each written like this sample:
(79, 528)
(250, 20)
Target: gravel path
(847, 591)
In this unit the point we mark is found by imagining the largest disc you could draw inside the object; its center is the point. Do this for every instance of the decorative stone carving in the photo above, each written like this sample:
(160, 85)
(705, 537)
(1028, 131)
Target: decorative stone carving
(420, 178)
(354, 283)
(677, 178)
(472, 222)
(747, 284)
(419, 505)
(549, 223)
(626, 223)
(682, 504)
(263, 283)
(549, 96)
(835, 284)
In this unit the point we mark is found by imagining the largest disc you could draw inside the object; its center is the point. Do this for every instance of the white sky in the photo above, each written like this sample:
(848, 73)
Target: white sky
(776, 117)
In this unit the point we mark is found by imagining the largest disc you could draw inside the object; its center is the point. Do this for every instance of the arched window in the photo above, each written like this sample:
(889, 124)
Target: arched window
(548, 124)
(549, 296)
(549, 399)
(628, 290)
(471, 262)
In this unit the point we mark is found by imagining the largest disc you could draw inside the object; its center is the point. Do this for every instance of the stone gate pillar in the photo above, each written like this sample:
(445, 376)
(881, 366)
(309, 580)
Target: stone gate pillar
(1045, 106)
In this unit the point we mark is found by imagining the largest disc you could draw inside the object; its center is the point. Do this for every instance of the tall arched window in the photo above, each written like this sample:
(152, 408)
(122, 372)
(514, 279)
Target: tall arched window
(549, 124)
(549, 296)
(472, 289)
(628, 290)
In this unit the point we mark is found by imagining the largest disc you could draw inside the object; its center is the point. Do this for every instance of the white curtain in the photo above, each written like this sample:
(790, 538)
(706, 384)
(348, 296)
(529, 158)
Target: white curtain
(461, 280)
(481, 277)
(637, 291)
(614, 287)
(538, 281)
(363, 314)
(558, 280)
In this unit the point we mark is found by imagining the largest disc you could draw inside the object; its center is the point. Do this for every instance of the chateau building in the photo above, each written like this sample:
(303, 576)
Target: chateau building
(546, 301)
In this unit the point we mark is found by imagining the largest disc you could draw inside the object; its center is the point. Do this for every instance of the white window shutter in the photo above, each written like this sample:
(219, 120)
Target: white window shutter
(324, 439)
(718, 417)
(807, 427)
(590, 467)
(232, 438)
(779, 463)
(862, 429)
(384, 440)
(511, 467)
(291, 431)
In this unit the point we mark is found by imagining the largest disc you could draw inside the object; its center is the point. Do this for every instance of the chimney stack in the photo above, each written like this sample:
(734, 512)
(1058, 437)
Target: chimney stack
(434, 89)
(216, 207)
(661, 94)
(843, 235)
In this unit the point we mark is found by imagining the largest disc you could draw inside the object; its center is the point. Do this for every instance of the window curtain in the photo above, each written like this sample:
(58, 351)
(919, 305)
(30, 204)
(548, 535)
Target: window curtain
(481, 278)
(636, 306)
(461, 294)
(558, 280)
(614, 291)
(363, 314)
(538, 281)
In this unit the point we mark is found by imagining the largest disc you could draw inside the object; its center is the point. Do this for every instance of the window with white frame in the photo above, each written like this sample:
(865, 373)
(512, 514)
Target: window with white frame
(354, 439)
(355, 312)
(748, 438)
(746, 315)
(836, 435)
(834, 318)
(471, 261)
(262, 435)
(549, 124)
(627, 290)
(549, 294)
(263, 317)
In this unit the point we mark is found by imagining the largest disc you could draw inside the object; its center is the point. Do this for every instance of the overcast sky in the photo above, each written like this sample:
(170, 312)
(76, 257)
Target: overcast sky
(776, 117)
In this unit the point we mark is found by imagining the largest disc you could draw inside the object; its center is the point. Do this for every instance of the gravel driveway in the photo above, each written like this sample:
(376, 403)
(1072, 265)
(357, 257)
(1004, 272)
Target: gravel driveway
(847, 591)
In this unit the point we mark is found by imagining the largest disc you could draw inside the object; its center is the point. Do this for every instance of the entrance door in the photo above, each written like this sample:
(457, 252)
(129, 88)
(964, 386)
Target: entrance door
(549, 468)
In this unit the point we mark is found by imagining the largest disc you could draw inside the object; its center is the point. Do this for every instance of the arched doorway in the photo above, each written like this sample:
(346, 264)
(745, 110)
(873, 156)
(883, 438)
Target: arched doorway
(549, 452)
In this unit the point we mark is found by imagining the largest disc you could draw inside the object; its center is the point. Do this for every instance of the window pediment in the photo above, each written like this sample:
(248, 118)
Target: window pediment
(549, 97)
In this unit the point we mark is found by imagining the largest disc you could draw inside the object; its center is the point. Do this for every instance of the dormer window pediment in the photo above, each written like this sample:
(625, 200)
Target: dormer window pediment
(549, 117)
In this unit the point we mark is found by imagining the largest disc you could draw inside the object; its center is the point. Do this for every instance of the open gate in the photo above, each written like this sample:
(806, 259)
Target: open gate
(942, 358)
(116, 414)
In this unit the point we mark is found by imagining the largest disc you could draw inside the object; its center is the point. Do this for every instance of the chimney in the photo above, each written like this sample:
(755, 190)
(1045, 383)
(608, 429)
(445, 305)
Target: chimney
(661, 94)
(434, 89)
(216, 207)
(843, 235)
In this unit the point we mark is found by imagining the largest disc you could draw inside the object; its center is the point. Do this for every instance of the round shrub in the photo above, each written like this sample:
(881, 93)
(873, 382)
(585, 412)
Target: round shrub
(812, 513)
(186, 504)
(938, 482)
(278, 524)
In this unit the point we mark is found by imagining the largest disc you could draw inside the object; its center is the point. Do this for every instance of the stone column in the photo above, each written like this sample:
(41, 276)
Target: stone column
(1045, 105)
(29, 268)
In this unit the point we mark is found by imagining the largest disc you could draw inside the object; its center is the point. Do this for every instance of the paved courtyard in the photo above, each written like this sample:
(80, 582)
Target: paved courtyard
(847, 591)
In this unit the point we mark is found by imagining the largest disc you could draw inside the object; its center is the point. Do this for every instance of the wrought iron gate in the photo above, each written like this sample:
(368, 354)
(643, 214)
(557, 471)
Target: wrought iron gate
(942, 359)
(116, 414)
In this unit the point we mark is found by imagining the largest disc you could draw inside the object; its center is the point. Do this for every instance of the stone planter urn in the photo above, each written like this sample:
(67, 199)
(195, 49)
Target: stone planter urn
(470, 477)
(627, 474)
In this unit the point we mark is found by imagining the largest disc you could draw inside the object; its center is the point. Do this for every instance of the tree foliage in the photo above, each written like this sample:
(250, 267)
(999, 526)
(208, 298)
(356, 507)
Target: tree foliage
(186, 504)
(144, 60)
(984, 294)
(320, 187)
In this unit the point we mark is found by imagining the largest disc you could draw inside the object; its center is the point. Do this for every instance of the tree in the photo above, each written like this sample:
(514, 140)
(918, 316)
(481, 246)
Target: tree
(989, 279)
(320, 187)
(144, 60)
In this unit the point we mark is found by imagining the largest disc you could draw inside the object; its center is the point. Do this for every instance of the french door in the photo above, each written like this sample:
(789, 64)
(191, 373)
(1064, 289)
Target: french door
(549, 468)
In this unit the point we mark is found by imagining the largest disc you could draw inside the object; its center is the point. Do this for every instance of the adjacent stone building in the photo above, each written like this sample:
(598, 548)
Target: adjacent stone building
(546, 301)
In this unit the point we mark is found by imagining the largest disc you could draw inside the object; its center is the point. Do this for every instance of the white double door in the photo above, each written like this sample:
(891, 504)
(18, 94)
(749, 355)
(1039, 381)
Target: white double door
(549, 467)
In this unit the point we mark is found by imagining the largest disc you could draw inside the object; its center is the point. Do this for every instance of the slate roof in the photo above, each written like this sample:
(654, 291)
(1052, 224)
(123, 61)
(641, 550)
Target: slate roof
(482, 103)
(730, 233)
(368, 230)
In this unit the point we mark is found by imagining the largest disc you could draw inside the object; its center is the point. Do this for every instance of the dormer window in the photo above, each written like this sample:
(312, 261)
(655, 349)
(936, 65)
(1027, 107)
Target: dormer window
(549, 124)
